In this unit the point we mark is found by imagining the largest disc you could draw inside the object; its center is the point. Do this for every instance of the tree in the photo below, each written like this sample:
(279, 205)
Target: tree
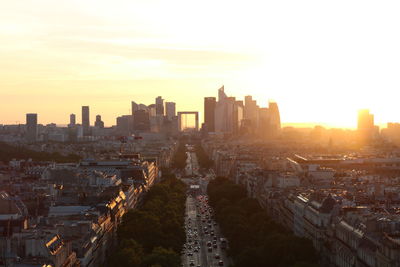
(162, 257)
(129, 253)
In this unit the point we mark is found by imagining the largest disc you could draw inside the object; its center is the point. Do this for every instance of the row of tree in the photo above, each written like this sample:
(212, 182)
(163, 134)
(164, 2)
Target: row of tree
(153, 235)
(202, 157)
(9, 152)
(179, 159)
(254, 239)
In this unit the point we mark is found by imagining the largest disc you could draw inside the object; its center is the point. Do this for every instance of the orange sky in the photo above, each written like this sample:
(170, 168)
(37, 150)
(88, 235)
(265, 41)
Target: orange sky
(321, 61)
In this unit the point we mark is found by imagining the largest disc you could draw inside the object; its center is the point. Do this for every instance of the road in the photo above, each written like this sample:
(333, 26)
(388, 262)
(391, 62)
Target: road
(200, 225)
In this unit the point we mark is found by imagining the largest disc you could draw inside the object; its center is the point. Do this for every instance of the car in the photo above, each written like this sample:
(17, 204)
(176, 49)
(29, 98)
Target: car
(215, 246)
(191, 264)
(217, 256)
(220, 263)
(210, 249)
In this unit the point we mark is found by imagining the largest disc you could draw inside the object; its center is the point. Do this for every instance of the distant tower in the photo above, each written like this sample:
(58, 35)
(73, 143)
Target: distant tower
(72, 120)
(221, 94)
(99, 123)
(31, 127)
(159, 106)
(170, 110)
(209, 113)
(365, 125)
(141, 121)
(275, 118)
(135, 107)
(85, 120)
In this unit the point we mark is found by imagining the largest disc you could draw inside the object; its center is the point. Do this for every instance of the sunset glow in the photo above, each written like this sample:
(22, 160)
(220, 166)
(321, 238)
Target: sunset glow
(320, 61)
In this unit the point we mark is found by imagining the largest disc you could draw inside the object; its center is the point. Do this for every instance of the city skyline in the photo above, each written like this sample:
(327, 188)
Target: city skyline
(298, 54)
(112, 122)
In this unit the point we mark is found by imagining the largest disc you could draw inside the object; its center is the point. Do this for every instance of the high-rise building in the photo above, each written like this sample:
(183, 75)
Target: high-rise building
(237, 116)
(141, 120)
(365, 125)
(134, 107)
(274, 119)
(264, 122)
(221, 94)
(85, 120)
(99, 123)
(225, 118)
(209, 113)
(365, 120)
(170, 110)
(125, 124)
(72, 120)
(31, 127)
(251, 112)
(159, 106)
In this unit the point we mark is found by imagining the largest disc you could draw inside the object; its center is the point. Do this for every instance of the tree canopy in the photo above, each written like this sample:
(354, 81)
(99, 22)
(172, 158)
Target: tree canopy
(153, 234)
(254, 239)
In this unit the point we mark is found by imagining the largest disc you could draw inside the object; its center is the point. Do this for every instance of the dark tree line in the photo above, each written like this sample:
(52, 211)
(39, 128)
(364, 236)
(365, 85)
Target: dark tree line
(254, 239)
(202, 157)
(9, 152)
(179, 160)
(153, 235)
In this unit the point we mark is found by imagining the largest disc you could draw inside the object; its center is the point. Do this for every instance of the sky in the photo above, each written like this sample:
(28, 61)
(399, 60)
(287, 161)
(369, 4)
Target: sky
(320, 60)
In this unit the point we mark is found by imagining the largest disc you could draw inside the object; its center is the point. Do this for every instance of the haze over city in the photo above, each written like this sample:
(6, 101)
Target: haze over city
(321, 61)
(150, 133)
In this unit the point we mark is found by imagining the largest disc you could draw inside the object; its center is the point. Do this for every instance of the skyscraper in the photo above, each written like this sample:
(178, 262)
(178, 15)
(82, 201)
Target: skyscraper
(209, 113)
(159, 106)
(365, 120)
(72, 120)
(221, 94)
(99, 123)
(141, 120)
(134, 107)
(228, 112)
(170, 110)
(274, 118)
(125, 124)
(365, 125)
(251, 111)
(85, 120)
(31, 127)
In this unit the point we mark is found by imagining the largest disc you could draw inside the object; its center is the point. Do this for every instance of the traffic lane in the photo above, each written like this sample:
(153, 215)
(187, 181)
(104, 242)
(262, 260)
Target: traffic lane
(208, 237)
(192, 214)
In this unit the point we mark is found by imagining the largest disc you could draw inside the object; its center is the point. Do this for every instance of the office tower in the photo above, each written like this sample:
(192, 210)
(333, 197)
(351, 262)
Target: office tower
(125, 124)
(134, 107)
(99, 123)
(85, 120)
(224, 116)
(141, 121)
(170, 109)
(264, 122)
(365, 125)
(237, 116)
(275, 119)
(152, 110)
(159, 106)
(31, 127)
(365, 120)
(209, 113)
(72, 120)
(251, 111)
